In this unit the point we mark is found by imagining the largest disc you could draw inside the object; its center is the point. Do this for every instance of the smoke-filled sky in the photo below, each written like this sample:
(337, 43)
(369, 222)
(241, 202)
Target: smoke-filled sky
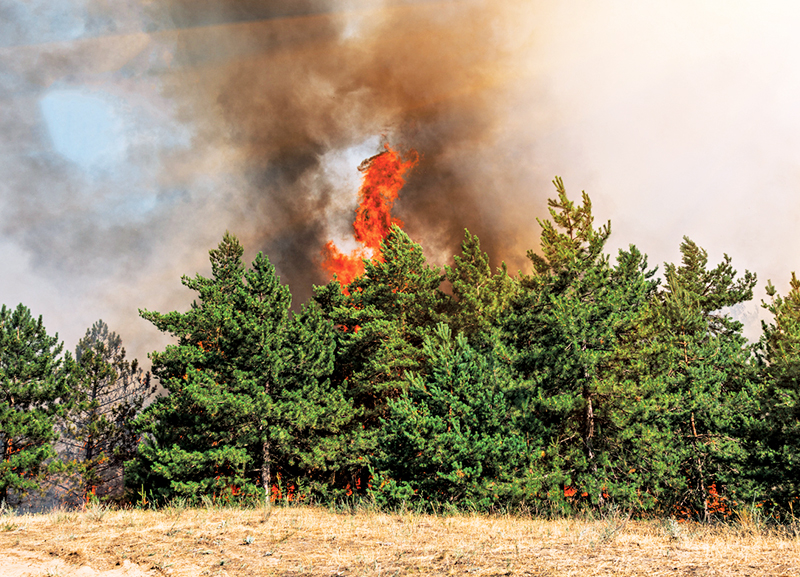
(133, 133)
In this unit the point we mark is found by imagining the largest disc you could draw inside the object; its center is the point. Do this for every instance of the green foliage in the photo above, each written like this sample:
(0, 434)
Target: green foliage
(36, 390)
(569, 243)
(249, 394)
(446, 438)
(480, 297)
(383, 321)
(781, 339)
(317, 420)
(381, 325)
(703, 376)
(110, 392)
(775, 443)
(566, 330)
(584, 385)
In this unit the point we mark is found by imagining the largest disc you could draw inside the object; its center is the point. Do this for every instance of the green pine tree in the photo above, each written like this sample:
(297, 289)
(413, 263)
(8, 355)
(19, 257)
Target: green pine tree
(781, 338)
(775, 438)
(701, 366)
(381, 325)
(446, 439)
(319, 440)
(565, 331)
(383, 321)
(480, 297)
(36, 391)
(249, 394)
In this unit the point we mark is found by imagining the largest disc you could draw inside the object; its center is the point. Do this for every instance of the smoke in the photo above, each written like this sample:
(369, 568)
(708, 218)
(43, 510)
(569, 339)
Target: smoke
(294, 90)
(133, 134)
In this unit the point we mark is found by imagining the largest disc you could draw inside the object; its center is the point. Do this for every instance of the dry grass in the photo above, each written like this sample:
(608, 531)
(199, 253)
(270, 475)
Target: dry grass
(315, 541)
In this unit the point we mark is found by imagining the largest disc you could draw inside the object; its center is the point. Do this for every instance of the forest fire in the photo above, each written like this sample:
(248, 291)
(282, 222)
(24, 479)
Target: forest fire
(382, 181)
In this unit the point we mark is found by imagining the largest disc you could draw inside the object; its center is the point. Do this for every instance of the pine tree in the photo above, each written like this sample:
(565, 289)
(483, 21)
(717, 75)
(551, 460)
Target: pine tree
(382, 319)
(446, 439)
(775, 438)
(565, 331)
(781, 339)
(479, 296)
(383, 322)
(36, 391)
(110, 392)
(247, 382)
(701, 364)
(317, 421)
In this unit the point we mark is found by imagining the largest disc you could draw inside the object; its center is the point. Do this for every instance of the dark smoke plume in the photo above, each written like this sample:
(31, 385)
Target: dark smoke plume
(425, 75)
(134, 133)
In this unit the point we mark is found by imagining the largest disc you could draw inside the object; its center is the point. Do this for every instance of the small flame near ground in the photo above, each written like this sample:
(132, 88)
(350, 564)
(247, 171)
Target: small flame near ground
(381, 183)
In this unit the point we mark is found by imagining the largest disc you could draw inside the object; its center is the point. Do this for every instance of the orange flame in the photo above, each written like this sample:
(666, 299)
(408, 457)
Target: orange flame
(382, 181)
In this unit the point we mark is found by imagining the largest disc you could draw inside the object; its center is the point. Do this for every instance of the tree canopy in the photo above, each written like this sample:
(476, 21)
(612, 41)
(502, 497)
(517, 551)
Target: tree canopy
(248, 382)
(590, 382)
(37, 389)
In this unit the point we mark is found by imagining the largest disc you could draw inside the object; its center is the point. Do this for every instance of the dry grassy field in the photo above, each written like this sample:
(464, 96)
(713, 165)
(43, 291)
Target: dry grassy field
(315, 541)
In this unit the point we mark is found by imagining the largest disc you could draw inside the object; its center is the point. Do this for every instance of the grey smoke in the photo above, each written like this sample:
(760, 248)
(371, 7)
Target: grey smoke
(133, 134)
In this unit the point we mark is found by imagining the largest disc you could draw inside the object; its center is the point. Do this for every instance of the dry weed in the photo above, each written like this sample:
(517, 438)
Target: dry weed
(314, 541)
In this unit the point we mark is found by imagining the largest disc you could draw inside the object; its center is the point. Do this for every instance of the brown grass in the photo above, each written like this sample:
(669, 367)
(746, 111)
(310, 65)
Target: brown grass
(315, 541)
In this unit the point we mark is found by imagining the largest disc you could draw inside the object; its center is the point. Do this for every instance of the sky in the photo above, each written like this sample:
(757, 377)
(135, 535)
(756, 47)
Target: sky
(134, 133)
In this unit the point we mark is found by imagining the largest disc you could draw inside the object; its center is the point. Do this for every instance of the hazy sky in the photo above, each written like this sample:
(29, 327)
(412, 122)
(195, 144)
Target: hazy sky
(133, 134)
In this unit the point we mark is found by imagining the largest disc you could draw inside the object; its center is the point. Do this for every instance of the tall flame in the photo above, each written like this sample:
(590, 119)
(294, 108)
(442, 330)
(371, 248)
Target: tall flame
(382, 181)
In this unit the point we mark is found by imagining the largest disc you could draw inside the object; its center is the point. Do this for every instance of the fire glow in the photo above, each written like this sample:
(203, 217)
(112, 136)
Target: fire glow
(381, 183)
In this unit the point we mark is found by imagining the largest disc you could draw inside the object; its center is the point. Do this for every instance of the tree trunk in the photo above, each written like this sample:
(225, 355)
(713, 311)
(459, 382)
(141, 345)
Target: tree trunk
(588, 428)
(88, 474)
(588, 425)
(266, 474)
(6, 456)
(700, 471)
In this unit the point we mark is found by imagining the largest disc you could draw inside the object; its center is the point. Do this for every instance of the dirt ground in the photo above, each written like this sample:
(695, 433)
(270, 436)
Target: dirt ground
(21, 563)
(295, 541)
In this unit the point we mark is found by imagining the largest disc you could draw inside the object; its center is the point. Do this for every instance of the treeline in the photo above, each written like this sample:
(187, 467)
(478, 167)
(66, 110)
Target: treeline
(587, 383)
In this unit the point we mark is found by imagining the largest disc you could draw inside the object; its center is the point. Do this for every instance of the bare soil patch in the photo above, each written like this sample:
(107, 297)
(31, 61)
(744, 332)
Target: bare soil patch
(297, 541)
